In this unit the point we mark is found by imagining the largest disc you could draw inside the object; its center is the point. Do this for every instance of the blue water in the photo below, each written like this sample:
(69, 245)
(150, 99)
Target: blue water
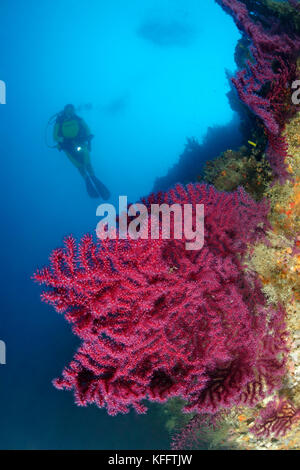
(145, 76)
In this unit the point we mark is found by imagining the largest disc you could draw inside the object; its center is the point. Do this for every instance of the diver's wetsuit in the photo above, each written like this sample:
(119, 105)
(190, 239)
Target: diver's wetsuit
(74, 136)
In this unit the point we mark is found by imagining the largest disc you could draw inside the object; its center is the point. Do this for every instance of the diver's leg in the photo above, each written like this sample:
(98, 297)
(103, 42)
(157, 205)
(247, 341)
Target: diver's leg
(87, 163)
(76, 162)
(90, 187)
(81, 167)
(101, 188)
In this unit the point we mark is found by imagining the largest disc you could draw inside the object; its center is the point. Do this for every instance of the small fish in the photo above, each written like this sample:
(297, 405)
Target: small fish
(252, 143)
(242, 418)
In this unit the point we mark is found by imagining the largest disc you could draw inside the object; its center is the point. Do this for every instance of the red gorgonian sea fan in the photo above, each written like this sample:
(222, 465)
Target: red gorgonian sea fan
(279, 416)
(157, 321)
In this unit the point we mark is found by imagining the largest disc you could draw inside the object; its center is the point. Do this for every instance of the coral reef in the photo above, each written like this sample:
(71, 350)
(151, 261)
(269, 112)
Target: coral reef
(242, 167)
(272, 423)
(279, 268)
(157, 321)
(265, 84)
(276, 419)
(286, 14)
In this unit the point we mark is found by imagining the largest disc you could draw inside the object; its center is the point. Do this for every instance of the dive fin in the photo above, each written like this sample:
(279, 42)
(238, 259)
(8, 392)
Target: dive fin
(90, 188)
(101, 188)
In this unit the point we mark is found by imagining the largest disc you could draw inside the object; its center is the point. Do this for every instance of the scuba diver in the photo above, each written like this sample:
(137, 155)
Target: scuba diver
(74, 137)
